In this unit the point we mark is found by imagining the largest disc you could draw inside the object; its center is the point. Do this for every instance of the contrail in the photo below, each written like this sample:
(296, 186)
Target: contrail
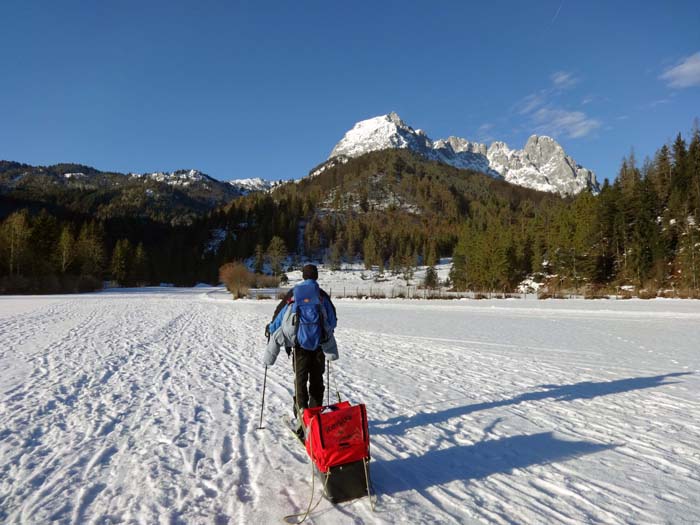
(557, 13)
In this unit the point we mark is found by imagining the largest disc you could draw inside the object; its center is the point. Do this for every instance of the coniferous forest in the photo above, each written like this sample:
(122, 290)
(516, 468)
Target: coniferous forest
(390, 209)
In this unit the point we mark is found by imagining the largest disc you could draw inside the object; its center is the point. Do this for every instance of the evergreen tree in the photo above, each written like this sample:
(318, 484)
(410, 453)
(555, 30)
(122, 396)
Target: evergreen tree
(122, 256)
(586, 243)
(458, 272)
(431, 257)
(431, 278)
(335, 256)
(604, 270)
(90, 250)
(259, 259)
(370, 252)
(629, 175)
(276, 253)
(312, 236)
(139, 268)
(394, 266)
(694, 172)
(661, 173)
(42, 241)
(689, 256)
(407, 270)
(680, 177)
(643, 238)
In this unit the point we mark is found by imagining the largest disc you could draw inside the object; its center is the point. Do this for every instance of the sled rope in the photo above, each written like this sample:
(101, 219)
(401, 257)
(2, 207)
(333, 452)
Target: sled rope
(310, 508)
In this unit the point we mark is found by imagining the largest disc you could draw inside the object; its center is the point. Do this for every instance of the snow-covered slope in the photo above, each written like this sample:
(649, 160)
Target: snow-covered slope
(541, 165)
(246, 186)
(142, 407)
(177, 178)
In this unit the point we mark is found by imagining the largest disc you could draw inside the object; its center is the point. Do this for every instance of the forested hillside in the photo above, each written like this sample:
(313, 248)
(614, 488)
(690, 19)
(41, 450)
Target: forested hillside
(175, 198)
(394, 209)
(641, 231)
(391, 209)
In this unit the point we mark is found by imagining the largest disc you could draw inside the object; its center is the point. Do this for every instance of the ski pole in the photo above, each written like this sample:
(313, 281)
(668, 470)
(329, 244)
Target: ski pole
(328, 383)
(336, 389)
(262, 406)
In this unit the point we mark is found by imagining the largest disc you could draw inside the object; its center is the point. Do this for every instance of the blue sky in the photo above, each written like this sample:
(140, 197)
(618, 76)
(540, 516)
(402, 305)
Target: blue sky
(245, 89)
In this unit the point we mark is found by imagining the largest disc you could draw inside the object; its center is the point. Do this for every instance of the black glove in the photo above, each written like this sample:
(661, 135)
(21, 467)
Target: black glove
(289, 350)
(267, 332)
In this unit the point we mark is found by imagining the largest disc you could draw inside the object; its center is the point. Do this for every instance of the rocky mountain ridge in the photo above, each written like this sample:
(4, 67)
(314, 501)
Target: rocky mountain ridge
(542, 164)
(174, 197)
(246, 186)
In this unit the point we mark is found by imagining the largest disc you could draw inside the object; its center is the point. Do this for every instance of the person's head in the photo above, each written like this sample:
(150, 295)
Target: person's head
(309, 271)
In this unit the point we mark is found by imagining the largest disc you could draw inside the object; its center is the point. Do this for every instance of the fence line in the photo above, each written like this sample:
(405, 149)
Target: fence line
(394, 292)
(266, 293)
(414, 292)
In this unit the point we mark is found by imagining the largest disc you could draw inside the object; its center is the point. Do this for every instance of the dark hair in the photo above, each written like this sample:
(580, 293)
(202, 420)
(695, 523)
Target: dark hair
(309, 271)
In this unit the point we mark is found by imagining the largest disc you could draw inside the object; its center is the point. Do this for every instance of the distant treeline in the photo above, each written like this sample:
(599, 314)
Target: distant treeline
(44, 253)
(393, 210)
(640, 231)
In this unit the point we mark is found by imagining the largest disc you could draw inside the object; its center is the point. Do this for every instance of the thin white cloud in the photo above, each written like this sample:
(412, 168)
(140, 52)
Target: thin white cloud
(531, 102)
(574, 124)
(542, 112)
(485, 132)
(563, 79)
(685, 74)
(659, 102)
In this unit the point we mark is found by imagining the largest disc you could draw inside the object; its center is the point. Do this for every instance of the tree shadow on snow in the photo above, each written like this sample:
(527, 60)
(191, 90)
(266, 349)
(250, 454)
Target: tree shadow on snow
(584, 390)
(496, 456)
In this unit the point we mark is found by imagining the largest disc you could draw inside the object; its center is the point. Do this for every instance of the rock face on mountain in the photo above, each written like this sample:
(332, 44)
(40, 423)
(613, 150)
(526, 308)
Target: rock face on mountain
(246, 186)
(177, 178)
(542, 165)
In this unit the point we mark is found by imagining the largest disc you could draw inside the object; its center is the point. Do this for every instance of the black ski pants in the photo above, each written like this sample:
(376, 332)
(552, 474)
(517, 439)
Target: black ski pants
(309, 366)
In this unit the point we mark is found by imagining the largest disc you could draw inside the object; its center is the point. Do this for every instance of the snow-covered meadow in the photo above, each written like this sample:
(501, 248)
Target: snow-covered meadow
(142, 407)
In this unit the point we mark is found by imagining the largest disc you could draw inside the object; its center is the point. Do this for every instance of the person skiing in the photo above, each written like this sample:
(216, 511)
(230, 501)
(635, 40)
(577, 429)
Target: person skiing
(304, 322)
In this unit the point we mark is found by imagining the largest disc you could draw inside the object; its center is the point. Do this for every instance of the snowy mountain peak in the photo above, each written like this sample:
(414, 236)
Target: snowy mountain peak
(394, 118)
(378, 133)
(176, 178)
(543, 146)
(246, 186)
(542, 164)
(460, 145)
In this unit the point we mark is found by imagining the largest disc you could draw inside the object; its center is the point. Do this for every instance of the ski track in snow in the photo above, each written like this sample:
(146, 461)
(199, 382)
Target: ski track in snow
(142, 407)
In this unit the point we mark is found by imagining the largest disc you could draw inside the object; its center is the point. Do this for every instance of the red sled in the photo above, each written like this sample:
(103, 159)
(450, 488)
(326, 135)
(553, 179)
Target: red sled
(337, 441)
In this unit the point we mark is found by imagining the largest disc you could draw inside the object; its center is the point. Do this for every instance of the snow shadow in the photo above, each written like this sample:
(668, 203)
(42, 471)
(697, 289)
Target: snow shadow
(584, 390)
(465, 463)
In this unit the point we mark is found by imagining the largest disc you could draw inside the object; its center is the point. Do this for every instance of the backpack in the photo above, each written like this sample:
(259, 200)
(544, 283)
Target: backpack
(308, 316)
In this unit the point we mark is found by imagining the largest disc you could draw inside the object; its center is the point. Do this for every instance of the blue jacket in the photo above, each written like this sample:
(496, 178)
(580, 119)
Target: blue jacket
(283, 330)
(328, 308)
